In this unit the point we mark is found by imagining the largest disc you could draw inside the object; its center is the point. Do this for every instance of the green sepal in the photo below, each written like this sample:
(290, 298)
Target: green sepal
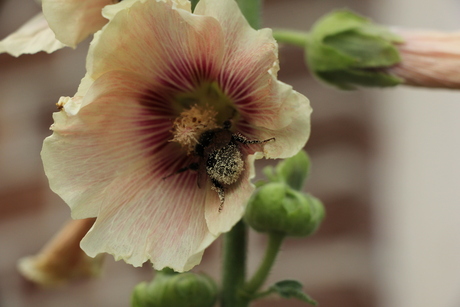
(346, 50)
(346, 79)
(251, 10)
(292, 289)
(193, 4)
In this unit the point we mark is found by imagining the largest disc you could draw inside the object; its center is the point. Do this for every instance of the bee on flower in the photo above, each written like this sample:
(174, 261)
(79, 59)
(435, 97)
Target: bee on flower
(170, 99)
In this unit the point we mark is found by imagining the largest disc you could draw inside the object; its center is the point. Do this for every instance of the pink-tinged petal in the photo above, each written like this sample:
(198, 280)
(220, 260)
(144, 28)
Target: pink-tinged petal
(268, 108)
(428, 58)
(117, 141)
(109, 160)
(249, 54)
(144, 218)
(32, 37)
(111, 130)
(290, 125)
(74, 20)
(181, 58)
(236, 198)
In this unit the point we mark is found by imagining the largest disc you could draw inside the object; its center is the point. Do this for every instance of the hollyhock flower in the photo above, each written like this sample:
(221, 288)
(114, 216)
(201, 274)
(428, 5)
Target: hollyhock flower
(62, 23)
(62, 259)
(428, 58)
(158, 79)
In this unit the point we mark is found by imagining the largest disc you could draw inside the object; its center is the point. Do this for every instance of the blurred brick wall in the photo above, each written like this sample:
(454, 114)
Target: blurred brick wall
(334, 265)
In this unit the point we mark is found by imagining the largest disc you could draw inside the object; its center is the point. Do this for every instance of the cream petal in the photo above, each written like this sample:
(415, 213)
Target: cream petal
(250, 55)
(190, 53)
(113, 130)
(236, 198)
(74, 20)
(32, 37)
(284, 114)
(143, 219)
(109, 160)
(110, 11)
(268, 108)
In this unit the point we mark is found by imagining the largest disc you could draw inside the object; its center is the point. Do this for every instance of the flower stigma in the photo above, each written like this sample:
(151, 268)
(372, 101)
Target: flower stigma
(191, 123)
(205, 108)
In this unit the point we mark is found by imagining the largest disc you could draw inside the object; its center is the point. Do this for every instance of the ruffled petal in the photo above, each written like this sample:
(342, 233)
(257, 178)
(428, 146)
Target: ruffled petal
(180, 58)
(32, 37)
(268, 108)
(113, 129)
(109, 160)
(249, 54)
(145, 219)
(74, 20)
(289, 125)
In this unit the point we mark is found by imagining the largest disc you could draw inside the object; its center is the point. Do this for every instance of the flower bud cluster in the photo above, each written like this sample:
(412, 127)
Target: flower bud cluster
(170, 289)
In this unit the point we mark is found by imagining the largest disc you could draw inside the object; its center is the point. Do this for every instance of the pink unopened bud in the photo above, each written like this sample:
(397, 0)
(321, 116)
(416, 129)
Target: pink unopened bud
(62, 259)
(429, 59)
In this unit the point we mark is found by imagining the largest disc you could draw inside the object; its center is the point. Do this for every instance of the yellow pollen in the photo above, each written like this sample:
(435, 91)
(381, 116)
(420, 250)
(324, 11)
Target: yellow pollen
(191, 123)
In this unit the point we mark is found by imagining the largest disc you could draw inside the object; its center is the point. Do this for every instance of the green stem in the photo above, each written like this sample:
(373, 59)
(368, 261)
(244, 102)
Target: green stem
(251, 9)
(252, 286)
(296, 38)
(234, 264)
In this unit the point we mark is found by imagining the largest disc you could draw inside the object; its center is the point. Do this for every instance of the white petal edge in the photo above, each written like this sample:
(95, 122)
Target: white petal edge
(34, 36)
(110, 11)
(74, 20)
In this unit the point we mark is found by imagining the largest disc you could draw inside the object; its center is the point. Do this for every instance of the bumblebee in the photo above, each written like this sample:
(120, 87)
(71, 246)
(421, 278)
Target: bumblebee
(219, 156)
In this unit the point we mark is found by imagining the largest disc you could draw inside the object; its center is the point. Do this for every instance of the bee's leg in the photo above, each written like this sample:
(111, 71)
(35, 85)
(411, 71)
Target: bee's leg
(216, 186)
(244, 140)
(192, 167)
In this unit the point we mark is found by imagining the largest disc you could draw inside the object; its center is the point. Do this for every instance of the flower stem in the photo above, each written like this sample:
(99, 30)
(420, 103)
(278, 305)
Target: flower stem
(252, 286)
(234, 264)
(251, 10)
(296, 38)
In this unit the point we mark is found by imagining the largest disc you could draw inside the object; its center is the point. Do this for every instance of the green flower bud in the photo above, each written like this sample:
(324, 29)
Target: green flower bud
(276, 207)
(170, 289)
(294, 171)
(346, 50)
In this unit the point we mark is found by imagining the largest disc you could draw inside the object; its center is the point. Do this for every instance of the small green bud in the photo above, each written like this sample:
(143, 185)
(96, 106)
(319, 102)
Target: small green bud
(294, 171)
(169, 289)
(276, 207)
(345, 50)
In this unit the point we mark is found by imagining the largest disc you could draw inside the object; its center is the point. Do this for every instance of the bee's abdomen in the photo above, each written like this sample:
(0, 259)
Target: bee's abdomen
(225, 165)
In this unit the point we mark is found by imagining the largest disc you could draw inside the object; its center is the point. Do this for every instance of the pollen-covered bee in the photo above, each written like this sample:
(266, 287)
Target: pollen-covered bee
(220, 157)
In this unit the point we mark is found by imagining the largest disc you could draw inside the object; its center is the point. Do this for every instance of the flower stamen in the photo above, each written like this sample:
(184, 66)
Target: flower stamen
(191, 123)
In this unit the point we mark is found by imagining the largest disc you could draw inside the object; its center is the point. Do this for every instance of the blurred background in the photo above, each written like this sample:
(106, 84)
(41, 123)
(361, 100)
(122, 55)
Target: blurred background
(385, 163)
